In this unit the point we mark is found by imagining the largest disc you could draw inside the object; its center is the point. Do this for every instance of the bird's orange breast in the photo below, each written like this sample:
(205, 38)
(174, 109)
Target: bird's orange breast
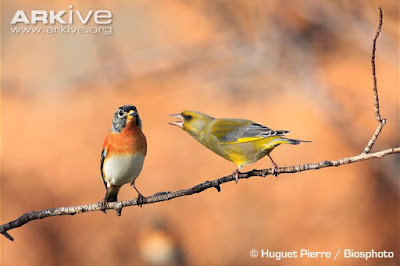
(130, 140)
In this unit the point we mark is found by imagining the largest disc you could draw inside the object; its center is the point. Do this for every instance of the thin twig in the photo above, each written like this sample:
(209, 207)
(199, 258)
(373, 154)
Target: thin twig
(374, 137)
(164, 196)
(375, 87)
(381, 122)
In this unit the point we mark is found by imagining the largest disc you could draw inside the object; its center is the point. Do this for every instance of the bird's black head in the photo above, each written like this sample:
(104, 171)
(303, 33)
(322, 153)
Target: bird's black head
(123, 116)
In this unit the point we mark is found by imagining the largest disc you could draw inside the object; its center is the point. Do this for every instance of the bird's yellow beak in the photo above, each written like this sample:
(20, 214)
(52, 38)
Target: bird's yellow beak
(177, 123)
(132, 114)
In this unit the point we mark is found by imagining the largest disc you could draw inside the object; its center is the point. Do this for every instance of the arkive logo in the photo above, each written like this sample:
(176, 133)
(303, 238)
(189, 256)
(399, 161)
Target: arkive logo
(69, 21)
(63, 17)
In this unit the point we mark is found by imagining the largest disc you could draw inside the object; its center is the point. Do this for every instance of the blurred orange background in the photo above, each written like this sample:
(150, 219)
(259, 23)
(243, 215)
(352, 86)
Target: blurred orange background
(302, 66)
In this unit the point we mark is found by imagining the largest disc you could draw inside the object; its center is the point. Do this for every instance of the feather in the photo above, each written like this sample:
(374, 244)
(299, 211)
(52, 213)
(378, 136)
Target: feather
(231, 131)
(103, 157)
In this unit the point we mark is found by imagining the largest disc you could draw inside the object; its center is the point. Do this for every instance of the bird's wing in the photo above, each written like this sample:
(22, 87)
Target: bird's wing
(230, 131)
(103, 157)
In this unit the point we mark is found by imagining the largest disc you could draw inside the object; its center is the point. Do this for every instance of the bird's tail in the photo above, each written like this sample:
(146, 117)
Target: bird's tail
(274, 141)
(280, 140)
(112, 194)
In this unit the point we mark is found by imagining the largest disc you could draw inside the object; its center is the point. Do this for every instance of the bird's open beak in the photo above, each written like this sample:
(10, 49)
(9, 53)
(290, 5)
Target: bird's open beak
(177, 123)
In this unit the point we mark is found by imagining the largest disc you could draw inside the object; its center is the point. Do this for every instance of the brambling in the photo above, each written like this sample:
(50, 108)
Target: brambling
(123, 153)
(238, 140)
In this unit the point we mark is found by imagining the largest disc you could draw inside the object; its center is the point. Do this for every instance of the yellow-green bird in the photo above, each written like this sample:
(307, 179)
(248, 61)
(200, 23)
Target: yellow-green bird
(238, 140)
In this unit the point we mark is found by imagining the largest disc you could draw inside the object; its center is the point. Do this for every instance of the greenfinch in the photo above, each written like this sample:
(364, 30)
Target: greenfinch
(238, 140)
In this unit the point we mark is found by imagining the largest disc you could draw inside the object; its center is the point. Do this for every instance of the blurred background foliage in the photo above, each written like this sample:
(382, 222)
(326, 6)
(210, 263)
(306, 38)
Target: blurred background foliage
(303, 66)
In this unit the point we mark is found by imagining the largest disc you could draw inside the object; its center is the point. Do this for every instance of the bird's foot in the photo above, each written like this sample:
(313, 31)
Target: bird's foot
(103, 206)
(274, 169)
(236, 173)
(273, 172)
(275, 166)
(140, 200)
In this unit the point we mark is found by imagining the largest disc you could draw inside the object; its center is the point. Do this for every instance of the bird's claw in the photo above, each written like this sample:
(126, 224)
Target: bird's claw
(140, 200)
(103, 206)
(274, 171)
(236, 173)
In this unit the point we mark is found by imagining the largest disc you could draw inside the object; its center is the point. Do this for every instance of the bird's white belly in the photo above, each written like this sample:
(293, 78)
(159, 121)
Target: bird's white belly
(122, 169)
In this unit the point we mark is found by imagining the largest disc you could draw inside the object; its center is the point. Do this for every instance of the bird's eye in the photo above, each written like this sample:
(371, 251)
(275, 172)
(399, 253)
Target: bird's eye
(188, 117)
(120, 114)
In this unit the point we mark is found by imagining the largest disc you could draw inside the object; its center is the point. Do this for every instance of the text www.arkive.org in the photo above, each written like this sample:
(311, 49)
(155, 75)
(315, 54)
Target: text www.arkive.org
(62, 30)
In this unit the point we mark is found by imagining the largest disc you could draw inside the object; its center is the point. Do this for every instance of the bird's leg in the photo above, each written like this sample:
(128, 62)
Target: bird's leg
(274, 164)
(111, 196)
(236, 173)
(103, 205)
(141, 199)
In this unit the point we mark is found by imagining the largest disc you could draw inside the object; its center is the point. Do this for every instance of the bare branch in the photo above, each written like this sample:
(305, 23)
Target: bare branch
(378, 117)
(375, 88)
(164, 196)
(374, 137)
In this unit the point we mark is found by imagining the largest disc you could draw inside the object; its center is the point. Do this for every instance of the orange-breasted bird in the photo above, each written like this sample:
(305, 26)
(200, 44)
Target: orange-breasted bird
(238, 140)
(123, 153)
